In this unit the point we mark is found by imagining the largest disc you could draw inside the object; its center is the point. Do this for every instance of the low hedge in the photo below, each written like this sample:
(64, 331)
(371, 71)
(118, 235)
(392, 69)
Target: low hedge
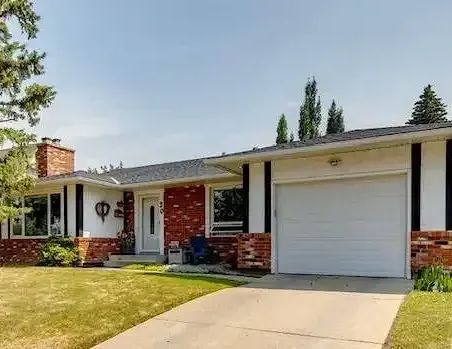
(60, 252)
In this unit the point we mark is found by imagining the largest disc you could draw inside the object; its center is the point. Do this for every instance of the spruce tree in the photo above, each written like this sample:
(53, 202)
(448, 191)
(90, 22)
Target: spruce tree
(310, 113)
(428, 109)
(335, 122)
(21, 99)
(281, 130)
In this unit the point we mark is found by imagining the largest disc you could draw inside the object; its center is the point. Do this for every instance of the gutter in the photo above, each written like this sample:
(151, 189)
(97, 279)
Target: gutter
(399, 137)
(118, 185)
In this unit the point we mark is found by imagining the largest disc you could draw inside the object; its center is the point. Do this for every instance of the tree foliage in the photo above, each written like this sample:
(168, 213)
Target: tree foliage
(310, 112)
(428, 109)
(335, 122)
(282, 132)
(105, 168)
(20, 100)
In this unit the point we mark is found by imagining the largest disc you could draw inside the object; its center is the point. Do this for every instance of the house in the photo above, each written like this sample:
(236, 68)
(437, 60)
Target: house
(373, 202)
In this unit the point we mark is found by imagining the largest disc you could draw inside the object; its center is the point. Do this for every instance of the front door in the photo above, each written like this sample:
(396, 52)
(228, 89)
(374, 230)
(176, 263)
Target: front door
(150, 229)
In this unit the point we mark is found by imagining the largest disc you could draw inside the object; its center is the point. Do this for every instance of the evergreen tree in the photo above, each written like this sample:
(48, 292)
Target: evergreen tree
(281, 130)
(292, 137)
(335, 122)
(310, 113)
(21, 99)
(428, 109)
(105, 168)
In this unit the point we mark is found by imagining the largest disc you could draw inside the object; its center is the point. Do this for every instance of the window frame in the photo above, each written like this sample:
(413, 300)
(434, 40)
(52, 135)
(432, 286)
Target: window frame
(22, 216)
(210, 212)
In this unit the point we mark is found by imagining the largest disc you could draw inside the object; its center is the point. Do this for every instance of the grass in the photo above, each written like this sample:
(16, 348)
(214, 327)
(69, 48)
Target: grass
(424, 321)
(78, 308)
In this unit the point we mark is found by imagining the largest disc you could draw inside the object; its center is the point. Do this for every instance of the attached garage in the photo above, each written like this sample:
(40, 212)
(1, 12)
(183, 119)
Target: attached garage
(354, 226)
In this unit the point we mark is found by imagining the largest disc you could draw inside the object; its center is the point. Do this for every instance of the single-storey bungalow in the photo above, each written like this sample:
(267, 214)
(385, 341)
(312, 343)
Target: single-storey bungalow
(372, 202)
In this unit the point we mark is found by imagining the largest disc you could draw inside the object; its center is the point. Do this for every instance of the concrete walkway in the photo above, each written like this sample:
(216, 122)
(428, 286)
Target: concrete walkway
(277, 312)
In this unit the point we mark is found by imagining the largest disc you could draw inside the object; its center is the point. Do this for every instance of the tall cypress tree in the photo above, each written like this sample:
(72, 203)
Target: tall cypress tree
(21, 99)
(310, 112)
(282, 133)
(335, 122)
(428, 109)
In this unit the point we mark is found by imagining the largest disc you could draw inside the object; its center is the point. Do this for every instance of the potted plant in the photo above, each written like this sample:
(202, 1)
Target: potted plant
(127, 242)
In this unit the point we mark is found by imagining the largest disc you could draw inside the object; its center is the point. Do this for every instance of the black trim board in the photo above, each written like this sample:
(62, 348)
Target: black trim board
(416, 156)
(65, 210)
(449, 184)
(79, 210)
(246, 197)
(268, 196)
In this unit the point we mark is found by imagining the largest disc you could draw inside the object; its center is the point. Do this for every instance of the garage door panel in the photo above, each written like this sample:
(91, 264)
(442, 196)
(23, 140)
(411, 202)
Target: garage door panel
(344, 227)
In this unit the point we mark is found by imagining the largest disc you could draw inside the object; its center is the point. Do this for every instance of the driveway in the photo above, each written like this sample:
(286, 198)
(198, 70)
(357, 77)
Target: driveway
(278, 311)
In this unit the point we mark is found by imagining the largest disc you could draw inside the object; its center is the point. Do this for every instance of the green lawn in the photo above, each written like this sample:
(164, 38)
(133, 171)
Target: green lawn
(77, 308)
(424, 321)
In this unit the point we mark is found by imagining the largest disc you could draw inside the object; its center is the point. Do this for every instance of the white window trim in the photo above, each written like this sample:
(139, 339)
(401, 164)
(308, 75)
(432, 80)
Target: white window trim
(209, 188)
(22, 217)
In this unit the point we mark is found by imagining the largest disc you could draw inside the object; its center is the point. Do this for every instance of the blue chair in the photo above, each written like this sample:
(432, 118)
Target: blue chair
(201, 251)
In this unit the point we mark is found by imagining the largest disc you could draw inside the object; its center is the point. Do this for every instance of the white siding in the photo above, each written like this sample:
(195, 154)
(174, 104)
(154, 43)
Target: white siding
(71, 209)
(257, 198)
(351, 163)
(92, 223)
(433, 186)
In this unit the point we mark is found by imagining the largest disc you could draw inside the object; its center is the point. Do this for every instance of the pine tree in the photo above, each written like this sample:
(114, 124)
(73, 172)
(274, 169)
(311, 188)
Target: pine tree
(335, 122)
(281, 130)
(21, 99)
(292, 137)
(310, 113)
(428, 109)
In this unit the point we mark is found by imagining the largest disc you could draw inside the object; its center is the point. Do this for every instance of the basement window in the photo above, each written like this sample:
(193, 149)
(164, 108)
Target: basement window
(226, 211)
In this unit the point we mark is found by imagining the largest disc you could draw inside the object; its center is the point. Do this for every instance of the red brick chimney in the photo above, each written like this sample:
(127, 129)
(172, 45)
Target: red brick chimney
(53, 159)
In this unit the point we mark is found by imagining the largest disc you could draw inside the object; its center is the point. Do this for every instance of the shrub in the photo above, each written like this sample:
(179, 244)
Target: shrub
(59, 251)
(434, 278)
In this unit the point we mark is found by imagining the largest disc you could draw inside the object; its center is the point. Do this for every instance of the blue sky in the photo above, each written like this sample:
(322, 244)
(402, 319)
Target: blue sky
(153, 81)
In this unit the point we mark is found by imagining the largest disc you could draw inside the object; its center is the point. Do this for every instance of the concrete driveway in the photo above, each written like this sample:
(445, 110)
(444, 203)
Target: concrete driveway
(278, 312)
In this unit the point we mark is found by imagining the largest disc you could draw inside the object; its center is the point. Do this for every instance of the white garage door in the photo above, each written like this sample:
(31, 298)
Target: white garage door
(342, 227)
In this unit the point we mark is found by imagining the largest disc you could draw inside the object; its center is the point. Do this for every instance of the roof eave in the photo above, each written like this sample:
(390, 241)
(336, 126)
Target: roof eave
(174, 181)
(409, 137)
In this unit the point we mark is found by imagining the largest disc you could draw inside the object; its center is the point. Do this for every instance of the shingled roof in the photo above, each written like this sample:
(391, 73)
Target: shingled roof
(344, 136)
(197, 168)
(186, 169)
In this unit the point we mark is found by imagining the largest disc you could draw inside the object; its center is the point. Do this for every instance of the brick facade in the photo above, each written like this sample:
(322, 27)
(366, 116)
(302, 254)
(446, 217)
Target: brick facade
(129, 211)
(97, 250)
(184, 213)
(54, 159)
(20, 251)
(226, 248)
(254, 251)
(430, 247)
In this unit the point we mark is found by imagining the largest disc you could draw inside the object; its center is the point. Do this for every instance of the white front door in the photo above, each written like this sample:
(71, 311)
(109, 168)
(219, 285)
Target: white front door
(150, 228)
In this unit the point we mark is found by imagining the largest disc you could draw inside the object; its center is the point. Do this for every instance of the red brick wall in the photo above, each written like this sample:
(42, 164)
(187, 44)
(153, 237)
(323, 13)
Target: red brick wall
(129, 214)
(20, 251)
(97, 249)
(254, 251)
(431, 247)
(52, 159)
(226, 247)
(185, 217)
(184, 213)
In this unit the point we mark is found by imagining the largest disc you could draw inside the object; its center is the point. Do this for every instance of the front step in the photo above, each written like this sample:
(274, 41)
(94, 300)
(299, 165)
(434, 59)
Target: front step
(121, 260)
